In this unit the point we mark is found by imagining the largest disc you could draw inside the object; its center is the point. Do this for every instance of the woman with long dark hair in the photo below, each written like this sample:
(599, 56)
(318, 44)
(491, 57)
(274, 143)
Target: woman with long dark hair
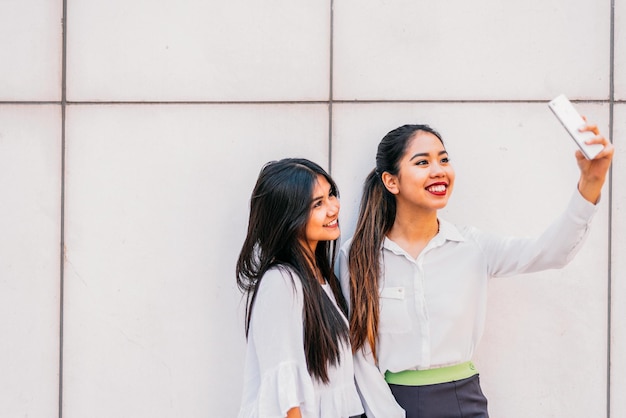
(298, 360)
(417, 284)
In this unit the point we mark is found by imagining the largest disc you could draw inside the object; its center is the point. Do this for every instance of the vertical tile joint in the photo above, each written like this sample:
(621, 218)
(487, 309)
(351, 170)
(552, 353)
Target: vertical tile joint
(62, 223)
(610, 204)
(330, 89)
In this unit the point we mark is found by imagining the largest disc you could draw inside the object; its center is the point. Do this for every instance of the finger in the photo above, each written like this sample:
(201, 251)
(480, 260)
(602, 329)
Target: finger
(590, 128)
(607, 151)
(580, 156)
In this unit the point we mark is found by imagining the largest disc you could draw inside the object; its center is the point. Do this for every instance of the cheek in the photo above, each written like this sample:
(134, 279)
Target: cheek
(451, 175)
(315, 222)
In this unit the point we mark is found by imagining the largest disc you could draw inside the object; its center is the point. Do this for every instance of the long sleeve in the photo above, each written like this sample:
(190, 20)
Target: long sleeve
(376, 396)
(277, 378)
(556, 247)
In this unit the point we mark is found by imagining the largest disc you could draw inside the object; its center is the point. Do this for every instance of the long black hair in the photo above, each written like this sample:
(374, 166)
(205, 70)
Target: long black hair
(280, 207)
(377, 214)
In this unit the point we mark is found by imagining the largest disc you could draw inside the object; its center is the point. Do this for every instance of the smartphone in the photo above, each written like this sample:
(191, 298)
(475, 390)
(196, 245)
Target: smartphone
(572, 121)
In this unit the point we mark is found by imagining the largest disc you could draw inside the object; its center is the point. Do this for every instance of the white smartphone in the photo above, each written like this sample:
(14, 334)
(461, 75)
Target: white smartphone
(572, 121)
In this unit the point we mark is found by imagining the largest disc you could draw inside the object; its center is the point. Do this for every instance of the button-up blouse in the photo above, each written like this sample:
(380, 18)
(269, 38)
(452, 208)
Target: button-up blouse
(432, 309)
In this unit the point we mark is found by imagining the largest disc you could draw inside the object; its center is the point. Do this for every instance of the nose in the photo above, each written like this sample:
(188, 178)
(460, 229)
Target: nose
(436, 170)
(333, 208)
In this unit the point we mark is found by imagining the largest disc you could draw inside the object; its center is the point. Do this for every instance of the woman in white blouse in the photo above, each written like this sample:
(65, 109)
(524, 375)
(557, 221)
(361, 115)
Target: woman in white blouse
(417, 284)
(298, 359)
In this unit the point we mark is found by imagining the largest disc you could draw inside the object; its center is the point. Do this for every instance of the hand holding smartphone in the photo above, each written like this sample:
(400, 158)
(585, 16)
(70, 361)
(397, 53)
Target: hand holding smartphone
(572, 122)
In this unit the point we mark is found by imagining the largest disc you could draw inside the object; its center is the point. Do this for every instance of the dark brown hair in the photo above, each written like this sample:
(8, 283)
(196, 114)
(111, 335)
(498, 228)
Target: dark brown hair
(279, 211)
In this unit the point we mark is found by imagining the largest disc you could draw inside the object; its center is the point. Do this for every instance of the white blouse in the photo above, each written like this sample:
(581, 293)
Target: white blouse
(276, 378)
(432, 309)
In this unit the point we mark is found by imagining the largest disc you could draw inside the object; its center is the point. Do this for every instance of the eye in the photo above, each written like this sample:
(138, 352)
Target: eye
(445, 160)
(421, 162)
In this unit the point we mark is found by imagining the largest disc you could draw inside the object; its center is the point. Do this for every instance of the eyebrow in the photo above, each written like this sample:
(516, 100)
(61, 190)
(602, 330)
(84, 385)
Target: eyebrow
(315, 199)
(425, 154)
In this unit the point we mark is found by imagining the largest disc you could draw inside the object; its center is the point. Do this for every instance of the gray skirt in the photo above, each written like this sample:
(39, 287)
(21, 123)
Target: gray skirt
(458, 399)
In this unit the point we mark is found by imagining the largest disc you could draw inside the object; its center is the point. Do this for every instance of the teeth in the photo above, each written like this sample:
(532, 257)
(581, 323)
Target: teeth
(437, 188)
(333, 223)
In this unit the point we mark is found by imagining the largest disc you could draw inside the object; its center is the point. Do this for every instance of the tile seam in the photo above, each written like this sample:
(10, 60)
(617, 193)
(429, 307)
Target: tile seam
(63, 104)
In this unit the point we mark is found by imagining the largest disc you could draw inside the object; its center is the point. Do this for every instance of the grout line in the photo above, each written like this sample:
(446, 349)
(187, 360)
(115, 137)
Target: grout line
(62, 226)
(33, 102)
(284, 102)
(610, 215)
(198, 102)
(330, 89)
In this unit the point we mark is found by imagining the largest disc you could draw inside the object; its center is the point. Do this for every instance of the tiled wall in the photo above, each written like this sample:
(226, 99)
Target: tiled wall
(132, 131)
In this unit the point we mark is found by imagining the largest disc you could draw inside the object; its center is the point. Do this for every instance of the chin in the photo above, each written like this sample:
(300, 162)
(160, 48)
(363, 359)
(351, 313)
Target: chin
(441, 205)
(334, 237)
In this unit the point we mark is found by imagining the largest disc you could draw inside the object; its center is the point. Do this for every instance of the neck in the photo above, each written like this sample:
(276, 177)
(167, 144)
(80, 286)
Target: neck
(413, 230)
(415, 225)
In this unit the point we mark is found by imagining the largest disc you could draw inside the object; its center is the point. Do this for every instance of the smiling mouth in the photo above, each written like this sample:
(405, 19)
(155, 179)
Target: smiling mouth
(438, 188)
(332, 223)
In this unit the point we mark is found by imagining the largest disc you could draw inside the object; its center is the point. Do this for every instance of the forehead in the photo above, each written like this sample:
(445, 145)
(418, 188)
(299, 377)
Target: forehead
(321, 184)
(423, 143)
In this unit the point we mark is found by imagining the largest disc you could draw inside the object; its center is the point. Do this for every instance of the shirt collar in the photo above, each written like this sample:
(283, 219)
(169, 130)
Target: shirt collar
(447, 232)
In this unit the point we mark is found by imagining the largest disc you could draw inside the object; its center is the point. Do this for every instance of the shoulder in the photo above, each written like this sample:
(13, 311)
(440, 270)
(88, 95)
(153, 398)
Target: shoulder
(280, 282)
(345, 247)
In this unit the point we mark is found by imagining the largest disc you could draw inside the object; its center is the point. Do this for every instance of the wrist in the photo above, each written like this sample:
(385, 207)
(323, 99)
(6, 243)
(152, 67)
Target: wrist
(590, 190)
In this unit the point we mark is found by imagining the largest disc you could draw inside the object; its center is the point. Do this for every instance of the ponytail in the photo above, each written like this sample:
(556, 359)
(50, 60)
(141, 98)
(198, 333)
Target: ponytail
(376, 216)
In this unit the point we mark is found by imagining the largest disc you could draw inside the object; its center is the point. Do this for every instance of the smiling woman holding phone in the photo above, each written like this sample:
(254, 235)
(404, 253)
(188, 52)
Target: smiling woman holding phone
(417, 285)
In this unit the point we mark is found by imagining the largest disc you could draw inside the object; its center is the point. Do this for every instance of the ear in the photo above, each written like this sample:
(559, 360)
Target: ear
(391, 182)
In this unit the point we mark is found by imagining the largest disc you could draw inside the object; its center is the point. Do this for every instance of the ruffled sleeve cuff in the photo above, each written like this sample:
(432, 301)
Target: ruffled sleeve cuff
(287, 386)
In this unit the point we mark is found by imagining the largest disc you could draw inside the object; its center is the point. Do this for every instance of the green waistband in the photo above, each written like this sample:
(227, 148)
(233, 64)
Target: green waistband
(432, 376)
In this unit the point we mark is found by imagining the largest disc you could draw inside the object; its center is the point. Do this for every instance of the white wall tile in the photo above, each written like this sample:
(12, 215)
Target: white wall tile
(30, 221)
(515, 173)
(471, 50)
(620, 49)
(157, 207)
(194, 50)
(30, 50)
(618, 271)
